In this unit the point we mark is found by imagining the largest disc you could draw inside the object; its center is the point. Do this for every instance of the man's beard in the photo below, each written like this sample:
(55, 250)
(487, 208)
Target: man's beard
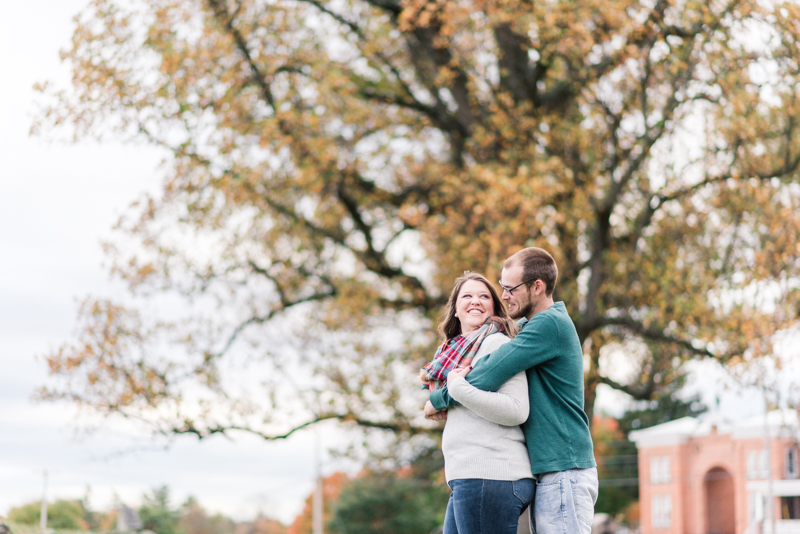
(521, 311)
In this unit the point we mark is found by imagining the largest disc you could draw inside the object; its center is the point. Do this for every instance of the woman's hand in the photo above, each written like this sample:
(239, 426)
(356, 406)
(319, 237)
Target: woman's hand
(458, 373)
(434, 414)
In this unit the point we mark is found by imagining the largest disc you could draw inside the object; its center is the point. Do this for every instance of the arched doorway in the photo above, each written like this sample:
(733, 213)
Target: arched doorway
(720, 513)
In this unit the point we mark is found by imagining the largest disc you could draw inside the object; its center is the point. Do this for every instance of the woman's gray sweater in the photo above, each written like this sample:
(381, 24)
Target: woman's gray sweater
(482, 437)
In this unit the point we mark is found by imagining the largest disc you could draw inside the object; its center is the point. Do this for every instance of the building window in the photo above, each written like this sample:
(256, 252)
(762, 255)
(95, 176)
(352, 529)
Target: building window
(763, 464)
(756, 507)
(655, 471)
(791, 463)
(752, 471)
(790, 507)
(662, 511)
(666, 511)
(660, 470)
(656, 510)
(665, 471)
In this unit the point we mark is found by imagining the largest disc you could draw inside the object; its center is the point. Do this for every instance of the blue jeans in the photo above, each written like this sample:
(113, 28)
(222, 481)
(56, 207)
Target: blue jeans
(480, 506)
(564, 502)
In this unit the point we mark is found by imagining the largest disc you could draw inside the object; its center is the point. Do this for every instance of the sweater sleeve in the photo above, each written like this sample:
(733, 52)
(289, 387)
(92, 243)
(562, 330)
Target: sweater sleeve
(530, 348)
(508, 406)
(441, 399)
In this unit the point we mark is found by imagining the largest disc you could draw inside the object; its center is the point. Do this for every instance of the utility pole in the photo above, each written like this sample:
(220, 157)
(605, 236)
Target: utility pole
(43, 513)
(317, 508)
(770, 507)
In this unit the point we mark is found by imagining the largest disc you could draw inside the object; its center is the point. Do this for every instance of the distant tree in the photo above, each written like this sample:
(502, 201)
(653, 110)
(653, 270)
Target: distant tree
(108, 521)
(157, 514)
(61, 514)
(389, 503)
(331, 489)
(94, 519)
(27, 514)
(262, 525)
(616, 467)
(195, 520)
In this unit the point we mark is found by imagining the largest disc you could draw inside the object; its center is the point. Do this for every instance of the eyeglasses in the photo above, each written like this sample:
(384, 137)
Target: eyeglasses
(511, 289)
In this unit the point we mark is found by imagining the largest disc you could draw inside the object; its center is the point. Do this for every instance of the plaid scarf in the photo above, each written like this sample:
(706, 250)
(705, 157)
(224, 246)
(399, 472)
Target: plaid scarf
(456, 353)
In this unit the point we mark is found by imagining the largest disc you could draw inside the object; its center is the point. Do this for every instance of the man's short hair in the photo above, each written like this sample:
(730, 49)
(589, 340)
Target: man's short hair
(537, 264)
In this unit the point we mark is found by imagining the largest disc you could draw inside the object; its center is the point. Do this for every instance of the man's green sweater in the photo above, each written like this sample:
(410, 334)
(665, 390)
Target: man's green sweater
(547, 348)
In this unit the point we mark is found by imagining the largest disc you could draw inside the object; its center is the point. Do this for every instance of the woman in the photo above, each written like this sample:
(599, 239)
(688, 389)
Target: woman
(486, 461)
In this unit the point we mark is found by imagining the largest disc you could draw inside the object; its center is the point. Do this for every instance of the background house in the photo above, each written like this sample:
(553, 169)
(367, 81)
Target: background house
(127, 519)
(712, 477)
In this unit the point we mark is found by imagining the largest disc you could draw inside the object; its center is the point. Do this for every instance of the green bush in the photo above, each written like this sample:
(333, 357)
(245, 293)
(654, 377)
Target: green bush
(157, 514)
(61, 515)
(389, 504)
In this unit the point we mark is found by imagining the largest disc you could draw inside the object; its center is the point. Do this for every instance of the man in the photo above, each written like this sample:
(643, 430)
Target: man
(557, 430)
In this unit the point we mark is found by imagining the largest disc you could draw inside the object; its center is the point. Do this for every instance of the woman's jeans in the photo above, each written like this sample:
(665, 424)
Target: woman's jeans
(565, 501)
(479, 506)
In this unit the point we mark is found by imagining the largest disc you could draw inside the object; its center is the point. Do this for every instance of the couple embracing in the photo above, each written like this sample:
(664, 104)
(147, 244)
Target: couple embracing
(512, 395)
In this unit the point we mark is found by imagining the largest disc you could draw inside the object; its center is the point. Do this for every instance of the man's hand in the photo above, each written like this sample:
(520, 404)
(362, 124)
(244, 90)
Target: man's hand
(458, 373)
(434, 414)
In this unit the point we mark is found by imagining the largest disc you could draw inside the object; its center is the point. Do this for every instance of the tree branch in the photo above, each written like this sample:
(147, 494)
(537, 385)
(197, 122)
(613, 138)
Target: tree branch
(223, 17)
(654, 334)
(189, 427)
(642, 392)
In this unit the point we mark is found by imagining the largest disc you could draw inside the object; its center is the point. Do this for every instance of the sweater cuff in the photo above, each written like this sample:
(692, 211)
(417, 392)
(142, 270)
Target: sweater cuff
(440, 398)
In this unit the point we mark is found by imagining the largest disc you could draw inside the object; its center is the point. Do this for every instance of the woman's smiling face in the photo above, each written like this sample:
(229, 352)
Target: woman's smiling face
(473, 305)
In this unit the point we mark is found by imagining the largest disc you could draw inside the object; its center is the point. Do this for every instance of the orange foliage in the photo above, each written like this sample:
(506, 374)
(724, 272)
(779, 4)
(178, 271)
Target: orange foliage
(333, 165)
(331, 488)
(262, 525)
(604, 430)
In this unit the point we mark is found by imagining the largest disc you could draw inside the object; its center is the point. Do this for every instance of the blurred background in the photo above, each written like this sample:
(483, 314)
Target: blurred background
(186, 257)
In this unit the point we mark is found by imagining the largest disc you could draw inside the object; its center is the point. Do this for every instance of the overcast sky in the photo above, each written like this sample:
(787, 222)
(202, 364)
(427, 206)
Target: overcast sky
(56, 203)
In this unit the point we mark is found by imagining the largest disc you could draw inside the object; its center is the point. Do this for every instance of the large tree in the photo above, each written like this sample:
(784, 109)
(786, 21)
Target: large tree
(333, 165)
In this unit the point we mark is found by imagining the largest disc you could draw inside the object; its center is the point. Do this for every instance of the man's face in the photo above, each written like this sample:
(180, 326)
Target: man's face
(520, 304)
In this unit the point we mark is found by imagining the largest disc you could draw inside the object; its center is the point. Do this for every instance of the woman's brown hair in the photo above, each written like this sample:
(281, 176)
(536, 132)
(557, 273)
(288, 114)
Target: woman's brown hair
(450, 326)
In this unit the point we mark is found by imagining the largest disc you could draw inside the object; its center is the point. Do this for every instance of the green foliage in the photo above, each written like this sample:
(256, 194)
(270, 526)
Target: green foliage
(27, 514)
(389, 504)
(156, 514)
(61, 514)
(618, 472)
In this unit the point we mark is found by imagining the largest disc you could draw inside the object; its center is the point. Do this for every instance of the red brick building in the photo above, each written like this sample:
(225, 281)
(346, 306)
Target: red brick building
(711, 477)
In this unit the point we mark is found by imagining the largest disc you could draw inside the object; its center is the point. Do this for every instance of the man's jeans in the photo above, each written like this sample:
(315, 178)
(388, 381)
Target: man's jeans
(480, 506)
(564, 502)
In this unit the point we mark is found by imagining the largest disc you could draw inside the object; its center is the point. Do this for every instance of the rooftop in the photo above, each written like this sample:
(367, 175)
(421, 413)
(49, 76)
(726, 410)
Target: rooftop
(780, 423)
